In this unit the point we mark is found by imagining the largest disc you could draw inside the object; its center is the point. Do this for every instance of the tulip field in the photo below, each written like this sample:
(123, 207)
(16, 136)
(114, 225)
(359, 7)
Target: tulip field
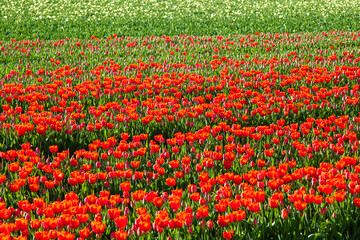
(60, 19)
(179, 119)
(243, 137)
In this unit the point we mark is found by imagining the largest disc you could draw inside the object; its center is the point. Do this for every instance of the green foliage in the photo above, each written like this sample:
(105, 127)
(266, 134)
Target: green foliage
(82, 19)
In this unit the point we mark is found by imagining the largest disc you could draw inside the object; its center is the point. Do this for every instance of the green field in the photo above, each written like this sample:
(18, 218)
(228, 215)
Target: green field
(59, 19)
(179, 119)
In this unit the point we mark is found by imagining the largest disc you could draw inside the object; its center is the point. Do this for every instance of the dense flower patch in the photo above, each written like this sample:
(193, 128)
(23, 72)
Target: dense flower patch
(58, 19)
(165, 137)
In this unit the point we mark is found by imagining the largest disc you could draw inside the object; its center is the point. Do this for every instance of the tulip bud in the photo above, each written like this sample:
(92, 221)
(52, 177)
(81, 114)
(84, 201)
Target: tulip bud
(127, 211)
(164, 196)
(203, 201)
(288, 208)
(199, 167)
(190, 230)
(25, 232)
(202, 224)
(260, 185)
(323, 211)
(210, 224)
(18, 213)
(207, 196)
(313, 182)
(188, 222)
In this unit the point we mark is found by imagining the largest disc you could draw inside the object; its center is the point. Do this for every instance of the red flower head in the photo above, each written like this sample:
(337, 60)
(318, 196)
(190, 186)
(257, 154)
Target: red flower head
(228, 235)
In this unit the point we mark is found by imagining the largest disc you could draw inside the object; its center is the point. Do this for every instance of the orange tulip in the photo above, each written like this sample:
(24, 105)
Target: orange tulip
(98, 227)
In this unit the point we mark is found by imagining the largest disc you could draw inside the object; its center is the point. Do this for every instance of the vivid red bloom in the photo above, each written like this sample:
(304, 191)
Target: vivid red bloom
(21, 224)
(195, 196)
(340, 196)
(74, 223)
(300, 205)
(284, 214)
(318, 199)
(135, 164)
(85, 233)
(42, 235)
(121, 235)
(154, 148)
(220, 207)
(114, 213)
(254, 206)
(273, 203)
(145, 226)
(125, 186)
(98, 227)
(234, 204)
(223, 221)
(239, 215)
(63, 235)
(269, 152)
(260, 196)
(5, 213)
(330, 200)
(34, 187)
(356, 202)
(13, 167)
(2, 178)
(174, 202)
(230, 156)
(121, 221)
(53, 149)
(158, 202)
(171, 181)
(203, 211)
(138, 195)
(83, 218)
(228, 235)
(14, 187)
